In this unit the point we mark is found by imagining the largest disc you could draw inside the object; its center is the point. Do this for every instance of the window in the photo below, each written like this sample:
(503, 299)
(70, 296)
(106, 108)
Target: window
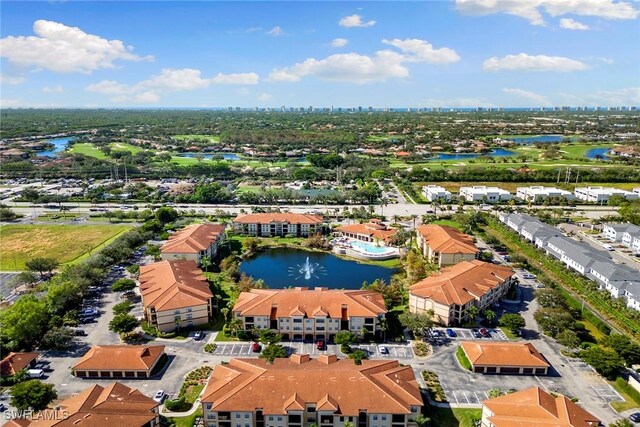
(176, 312)
(297, 320)
(270, 418)
(383, 418)
(246, 415)
(189, 309)
(279, 418)
(375, 418)
(208, 405)
(237, 415)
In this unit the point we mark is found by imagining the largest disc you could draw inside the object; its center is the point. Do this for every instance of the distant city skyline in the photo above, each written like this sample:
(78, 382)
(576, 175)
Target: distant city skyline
(448, 54)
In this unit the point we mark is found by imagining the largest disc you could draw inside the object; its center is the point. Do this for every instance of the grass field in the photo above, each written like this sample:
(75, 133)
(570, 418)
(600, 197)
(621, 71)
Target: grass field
(120, 146)
(199, 138)
(453, 417)
(87, 149)
(65, 243)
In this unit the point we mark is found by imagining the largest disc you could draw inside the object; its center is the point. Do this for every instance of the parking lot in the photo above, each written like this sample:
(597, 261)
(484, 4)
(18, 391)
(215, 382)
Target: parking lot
(243, 349)
(462, 334)
(607, 393)
(466, 396)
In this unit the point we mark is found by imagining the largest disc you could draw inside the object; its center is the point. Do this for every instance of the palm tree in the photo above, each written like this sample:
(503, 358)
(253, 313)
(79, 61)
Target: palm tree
(225, 313)
(396, 219)
(490, 315)
(472, 312)
(205, 263)
(435, 204)
(383, 202)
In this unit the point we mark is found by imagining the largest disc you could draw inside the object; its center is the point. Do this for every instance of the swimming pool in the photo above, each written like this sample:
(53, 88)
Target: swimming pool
(371, 248)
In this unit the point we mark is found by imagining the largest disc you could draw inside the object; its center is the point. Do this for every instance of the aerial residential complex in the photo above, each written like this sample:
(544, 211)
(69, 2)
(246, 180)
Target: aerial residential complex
(175, 294)
(311, 314)
(444, 245)
(301, 391)
(436, 193)
(537, 193)
(481, 193)
(374, 231)
(278, 224)
(451, 292)
(598, 265)
(627, 234)
(194, 242)
(535, 407)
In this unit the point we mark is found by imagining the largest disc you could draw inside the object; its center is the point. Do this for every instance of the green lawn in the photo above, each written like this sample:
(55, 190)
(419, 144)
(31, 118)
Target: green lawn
(463, 359)
(58, 217)
(580, 150)
(453, 417)
(65, 243)
(508, 333)
(121, 146)
(188, 421)
(628, 402)
(450, 223)
(87, 149)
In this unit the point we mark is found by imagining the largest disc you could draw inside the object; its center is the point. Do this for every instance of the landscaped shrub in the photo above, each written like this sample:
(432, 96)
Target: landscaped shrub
(632, 392)
(176, 405)
(421, 349)
(436, 392)
(210, 348)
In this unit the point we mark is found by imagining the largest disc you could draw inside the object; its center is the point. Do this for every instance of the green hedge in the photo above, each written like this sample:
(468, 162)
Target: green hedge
(463, 359)
(632, 392)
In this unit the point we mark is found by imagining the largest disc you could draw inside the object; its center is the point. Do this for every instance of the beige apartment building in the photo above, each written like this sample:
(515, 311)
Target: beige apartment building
(444, 245)
(278, 224)
(311, 314)
(452, 291)
(194, 242)
(175, 294)
(301, 392)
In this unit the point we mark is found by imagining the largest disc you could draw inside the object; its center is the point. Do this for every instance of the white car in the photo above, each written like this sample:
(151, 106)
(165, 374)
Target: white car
(159, 396)
(383, 350)
(528, 276)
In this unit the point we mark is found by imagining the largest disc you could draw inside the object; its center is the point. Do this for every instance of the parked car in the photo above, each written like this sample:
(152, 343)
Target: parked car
(476, 333)
(255, 347)
(485, 333)
(528, 275)
(320, 345)
(383, 349)
(451, 333)
(3, 408)
(79, 333)
(35, 373)
(199, 335)
(607, 247)
(435, 333)
(159, 396)
(635, 417)
(89, 312)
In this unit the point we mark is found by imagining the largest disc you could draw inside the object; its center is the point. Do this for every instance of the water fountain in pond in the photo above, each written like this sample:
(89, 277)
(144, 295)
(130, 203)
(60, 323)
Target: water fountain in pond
(306, 270)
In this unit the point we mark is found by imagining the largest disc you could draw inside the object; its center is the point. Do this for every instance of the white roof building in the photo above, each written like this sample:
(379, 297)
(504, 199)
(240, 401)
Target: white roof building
(537, 193)
(482, 193)
(602, 194)
(435, 192)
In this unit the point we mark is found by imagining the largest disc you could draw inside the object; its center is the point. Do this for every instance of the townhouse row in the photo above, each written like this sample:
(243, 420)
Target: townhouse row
(531, 194)
(627, 234)
(619, 280)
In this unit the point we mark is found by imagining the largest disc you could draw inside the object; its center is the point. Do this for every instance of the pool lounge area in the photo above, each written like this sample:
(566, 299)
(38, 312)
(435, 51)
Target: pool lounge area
(363, 250)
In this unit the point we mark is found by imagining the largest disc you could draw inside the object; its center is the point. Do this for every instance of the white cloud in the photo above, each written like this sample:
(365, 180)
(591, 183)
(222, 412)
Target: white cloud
(570, 24)
(619, 97)
(53, 89)
(358, 68)
(275, 31)
(169, 80)
(11, 103)
(265, 97)
(355, 21)
(6, 79)
(422, 51)
(339, 42)
(59, 48)
(532, 97)
(531, 10)
(526, 62)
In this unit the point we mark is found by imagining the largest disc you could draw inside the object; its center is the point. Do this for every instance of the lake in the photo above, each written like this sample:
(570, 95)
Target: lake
(283, 267)
(60, 144)
(597, 153)
(532, 139)
(226, 156)
(497, 152)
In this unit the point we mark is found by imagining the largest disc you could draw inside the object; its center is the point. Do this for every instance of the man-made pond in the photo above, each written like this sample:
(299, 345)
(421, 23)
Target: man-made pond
(496, 152)
(597, 153)
(226, 156)
(60, 144)
(285, 267)
(532, 139)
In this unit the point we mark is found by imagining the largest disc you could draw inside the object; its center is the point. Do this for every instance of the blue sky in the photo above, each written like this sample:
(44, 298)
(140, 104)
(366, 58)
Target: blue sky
(384, 54)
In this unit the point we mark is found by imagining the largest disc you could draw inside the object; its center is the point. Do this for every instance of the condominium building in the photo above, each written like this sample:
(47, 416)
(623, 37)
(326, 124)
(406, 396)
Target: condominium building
(373, 231)
(311, 314)
(436, 193)
(537, 193)
(535, 407)
(444, 245)
(278, 224)
(451, 292)
(175, 294)
(602, 194)
(303, 392)
(194, 242)
(505, 358)
(482, 193)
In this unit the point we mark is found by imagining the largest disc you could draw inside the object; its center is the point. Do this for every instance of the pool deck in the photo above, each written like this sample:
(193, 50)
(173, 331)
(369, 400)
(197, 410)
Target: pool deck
(344, 247)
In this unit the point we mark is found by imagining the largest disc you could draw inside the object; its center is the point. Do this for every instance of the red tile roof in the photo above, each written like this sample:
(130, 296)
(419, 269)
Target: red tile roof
(120, 358)
(535, 407)
(372, 229)
(170, 285)
(504, 354)
(445, 239)
(461, 283)
(193, 239)
(112, 405)
(277, 303)
(382, 386)
(15, 362)
(290, 218)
